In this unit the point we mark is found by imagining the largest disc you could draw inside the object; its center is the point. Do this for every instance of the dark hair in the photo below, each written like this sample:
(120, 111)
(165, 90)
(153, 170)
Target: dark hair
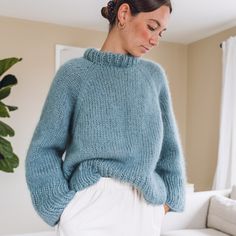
(136, 6)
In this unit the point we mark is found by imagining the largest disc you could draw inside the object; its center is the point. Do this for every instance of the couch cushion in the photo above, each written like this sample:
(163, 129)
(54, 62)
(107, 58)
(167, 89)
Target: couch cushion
(194, 232)
(222, 214)
(233, 193)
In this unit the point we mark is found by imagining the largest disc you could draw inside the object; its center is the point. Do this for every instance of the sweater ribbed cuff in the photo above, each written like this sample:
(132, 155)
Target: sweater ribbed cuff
(50, 201)
(175, 193)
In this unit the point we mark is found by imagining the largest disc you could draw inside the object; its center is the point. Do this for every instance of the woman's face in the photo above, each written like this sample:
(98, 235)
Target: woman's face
(143, 31)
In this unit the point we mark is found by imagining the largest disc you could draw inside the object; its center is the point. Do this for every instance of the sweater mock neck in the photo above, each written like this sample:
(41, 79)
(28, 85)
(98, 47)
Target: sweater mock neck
(110, 58)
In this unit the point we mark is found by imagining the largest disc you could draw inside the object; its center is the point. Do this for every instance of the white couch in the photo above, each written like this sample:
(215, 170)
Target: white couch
(199, 212)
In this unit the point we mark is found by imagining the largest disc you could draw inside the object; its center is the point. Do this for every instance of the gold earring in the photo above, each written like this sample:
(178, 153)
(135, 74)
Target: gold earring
(121, 26)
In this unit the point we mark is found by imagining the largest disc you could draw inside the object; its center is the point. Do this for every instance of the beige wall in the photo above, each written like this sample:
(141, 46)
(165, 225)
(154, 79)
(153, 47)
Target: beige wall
(35, 43)
(203, 108)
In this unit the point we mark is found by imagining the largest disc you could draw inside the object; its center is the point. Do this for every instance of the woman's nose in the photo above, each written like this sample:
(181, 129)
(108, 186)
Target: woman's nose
(154, 41)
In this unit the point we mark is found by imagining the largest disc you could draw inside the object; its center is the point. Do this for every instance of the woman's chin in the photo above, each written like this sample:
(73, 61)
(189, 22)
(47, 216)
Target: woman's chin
(137, 53)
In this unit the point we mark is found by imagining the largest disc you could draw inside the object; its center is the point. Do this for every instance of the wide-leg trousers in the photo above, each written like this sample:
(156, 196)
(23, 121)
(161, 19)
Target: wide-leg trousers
(110, 208)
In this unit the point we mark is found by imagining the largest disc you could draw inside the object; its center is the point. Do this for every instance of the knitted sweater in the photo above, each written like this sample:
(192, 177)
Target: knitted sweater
(106, 114)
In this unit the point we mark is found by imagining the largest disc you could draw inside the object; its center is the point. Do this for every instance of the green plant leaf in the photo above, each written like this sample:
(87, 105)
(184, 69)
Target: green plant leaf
(5, 146)
(4, 92)
(11, 108)
(6, 130)
(7, 63)
(14, 161)
(8, 159)
(5, 165)
(3, 110)
(8, 80)
(8, 165)
(6, 150)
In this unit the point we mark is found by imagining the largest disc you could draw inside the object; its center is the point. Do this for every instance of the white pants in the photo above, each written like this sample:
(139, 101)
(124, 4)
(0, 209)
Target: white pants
(110, 208)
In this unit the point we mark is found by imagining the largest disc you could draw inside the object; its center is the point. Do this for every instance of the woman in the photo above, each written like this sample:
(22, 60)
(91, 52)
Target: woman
(111, 113)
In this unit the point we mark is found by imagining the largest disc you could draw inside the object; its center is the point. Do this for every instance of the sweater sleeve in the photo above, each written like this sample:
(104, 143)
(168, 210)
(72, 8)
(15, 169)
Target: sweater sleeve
(171, 166)
(48, 187)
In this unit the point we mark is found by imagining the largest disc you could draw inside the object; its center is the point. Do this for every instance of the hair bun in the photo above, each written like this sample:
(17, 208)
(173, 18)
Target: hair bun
(108, 11)
(104, 12)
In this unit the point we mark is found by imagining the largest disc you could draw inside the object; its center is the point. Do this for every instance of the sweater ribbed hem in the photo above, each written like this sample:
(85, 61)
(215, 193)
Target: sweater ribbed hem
(152, 186)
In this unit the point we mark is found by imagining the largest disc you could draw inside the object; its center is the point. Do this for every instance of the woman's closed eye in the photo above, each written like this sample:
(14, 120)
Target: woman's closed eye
(151, 28)
(154, 29)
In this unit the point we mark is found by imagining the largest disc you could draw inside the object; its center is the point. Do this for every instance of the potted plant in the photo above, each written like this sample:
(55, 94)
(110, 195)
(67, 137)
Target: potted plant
(8, 159)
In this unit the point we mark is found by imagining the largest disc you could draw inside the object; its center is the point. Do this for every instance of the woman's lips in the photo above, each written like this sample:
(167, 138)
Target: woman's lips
(146, 49)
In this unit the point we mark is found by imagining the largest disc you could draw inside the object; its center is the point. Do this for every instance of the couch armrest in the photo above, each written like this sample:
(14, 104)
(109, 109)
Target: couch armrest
(195, 213)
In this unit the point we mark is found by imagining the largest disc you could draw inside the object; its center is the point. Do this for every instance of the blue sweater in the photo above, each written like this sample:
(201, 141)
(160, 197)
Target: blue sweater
(106, 114)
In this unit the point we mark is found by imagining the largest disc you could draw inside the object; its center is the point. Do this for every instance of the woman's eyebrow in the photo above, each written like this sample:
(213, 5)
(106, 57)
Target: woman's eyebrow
(159, 24)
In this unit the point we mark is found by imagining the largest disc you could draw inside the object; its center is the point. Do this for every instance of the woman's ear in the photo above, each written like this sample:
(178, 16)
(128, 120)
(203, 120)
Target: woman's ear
(123, 13)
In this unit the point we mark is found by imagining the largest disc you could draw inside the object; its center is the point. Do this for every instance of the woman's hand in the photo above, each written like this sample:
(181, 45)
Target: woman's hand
(166, 207)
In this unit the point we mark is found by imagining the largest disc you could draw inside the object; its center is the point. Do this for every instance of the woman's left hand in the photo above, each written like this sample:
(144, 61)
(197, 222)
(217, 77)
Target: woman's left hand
(166, 207)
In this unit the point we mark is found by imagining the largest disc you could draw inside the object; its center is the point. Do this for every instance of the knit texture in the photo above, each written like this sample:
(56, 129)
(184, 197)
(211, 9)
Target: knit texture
(106, 114)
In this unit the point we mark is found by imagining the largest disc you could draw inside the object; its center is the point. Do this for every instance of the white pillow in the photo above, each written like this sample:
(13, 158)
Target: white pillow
(222, 214)
(233, 193)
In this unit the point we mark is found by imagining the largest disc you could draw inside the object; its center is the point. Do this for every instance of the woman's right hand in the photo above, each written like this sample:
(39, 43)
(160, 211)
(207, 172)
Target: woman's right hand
(167, 208)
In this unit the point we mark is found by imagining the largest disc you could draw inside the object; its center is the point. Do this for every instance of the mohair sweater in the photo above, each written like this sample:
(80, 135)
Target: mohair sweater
(111, 115)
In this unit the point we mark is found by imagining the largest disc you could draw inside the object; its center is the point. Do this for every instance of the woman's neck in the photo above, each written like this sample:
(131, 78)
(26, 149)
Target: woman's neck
(113, 44)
